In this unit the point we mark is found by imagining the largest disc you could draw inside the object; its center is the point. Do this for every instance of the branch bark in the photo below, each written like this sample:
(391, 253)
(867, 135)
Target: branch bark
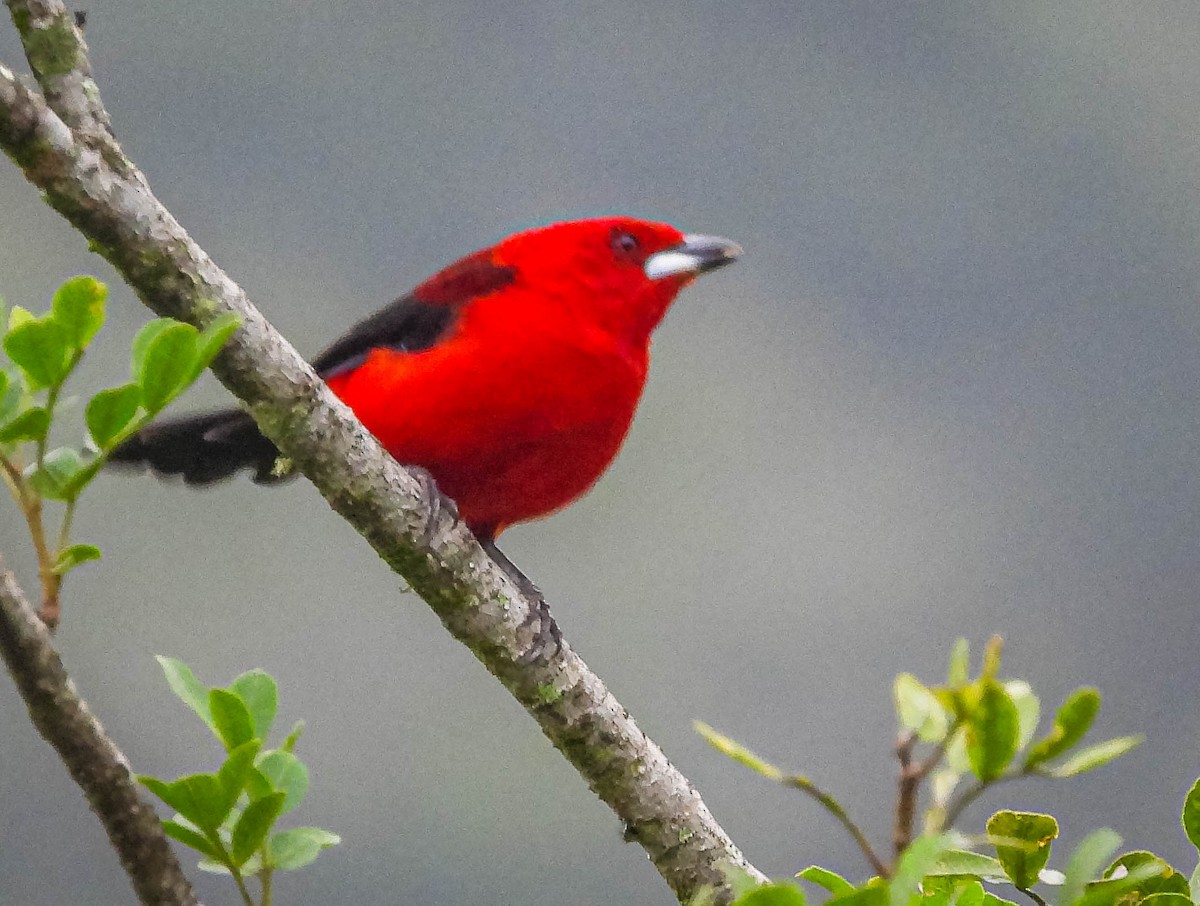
(87, 178)
(93, 760)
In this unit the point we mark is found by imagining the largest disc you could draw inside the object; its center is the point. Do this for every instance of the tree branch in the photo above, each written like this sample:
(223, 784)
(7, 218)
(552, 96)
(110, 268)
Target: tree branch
(93, 760)
(91, 183)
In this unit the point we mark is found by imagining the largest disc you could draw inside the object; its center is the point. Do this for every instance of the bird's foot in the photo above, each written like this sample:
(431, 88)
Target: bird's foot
(547, 637)
(438, 503)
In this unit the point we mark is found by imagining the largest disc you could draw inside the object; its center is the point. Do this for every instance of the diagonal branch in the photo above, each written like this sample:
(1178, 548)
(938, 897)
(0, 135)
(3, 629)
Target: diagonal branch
(93, 185)
(93, 760)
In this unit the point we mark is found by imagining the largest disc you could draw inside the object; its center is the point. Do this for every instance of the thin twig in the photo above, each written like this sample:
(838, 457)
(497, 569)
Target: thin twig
(93, 760)
(831, 805)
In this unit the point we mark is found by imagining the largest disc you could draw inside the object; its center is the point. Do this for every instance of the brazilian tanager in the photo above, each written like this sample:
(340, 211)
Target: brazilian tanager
(511, 376)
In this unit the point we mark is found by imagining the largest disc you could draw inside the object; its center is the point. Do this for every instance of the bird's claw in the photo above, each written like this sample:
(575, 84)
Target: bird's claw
(547, 637)
(438, 502)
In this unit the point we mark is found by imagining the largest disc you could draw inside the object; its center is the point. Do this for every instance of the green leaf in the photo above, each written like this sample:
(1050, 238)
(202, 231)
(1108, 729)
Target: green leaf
(41, 349)
(236, 773)
(212, 340)
(73, 556)
(295, 848)
(287, 774)
(993, 725)
(1191, 815)
(200, 798)
(920, 856)
(110, 411)
(965, 862)
(289, 743)
(253, 826)
(1022, 841)
(959, 673)
(78, 308)
(919, 710)
(166, 365)
(1072, 721)
(1194, 883)
(781, 893)
(1089, 857)
(990, 899)
(32, 424)
(55, 479)
(1147, 874)
(736, 751)
(231, 718)
(1096, 756)
(188, 837)
(823, 877)
(1029, 710)
(186, 687)
(257, 784)
(260, 694)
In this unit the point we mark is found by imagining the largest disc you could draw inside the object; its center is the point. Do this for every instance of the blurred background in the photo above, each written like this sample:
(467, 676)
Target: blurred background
(950, 390)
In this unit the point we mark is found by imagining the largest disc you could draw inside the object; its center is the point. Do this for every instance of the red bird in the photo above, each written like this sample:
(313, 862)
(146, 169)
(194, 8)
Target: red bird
(511, 376)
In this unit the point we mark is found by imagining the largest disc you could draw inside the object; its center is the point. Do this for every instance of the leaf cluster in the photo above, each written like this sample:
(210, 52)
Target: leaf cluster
(41, 352)
(229, 816)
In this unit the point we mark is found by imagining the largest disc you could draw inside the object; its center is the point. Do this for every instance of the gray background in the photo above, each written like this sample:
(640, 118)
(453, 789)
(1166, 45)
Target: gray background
(950, 390)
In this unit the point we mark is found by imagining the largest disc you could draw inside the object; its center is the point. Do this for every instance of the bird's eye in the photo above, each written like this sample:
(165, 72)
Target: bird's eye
(625, 244)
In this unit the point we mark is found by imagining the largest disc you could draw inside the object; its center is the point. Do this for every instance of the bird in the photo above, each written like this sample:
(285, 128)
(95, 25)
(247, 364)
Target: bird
(511, 377)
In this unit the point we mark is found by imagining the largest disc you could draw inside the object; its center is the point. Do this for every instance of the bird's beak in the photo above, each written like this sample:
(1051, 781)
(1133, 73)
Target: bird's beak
(695, 255)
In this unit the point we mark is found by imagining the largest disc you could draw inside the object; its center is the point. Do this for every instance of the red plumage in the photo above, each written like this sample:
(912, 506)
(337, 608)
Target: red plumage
(512, 376)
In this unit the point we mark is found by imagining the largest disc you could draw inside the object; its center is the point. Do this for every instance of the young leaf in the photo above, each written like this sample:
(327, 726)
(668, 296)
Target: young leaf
(253, 826)
(212, 340)
(1096, 756)
(110, 411)
(32, 424)
(230, 717)
(55, 479)
(736, 751)
(189, 837)
(186, 687)
(1029, 710)
(959, 673)
(1090, 856)
(73, 556)
(289, 743)
(287, 774)
(919, 710)
(257, 689)
(166, 365)
(1022, 841)
(875, 893)
(41, 349)
(823, 877)
(1071, 722)
(295, 848)
(200, 798)
(142, 340)
(11, 390)
(78, 308)
(993, 725)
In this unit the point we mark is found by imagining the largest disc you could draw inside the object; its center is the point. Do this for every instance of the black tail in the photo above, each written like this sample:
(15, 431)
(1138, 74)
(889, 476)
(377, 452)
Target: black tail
(202, 448)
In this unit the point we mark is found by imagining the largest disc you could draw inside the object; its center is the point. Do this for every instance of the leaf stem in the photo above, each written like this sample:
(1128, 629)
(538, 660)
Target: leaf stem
(831, 805)
(265, 876)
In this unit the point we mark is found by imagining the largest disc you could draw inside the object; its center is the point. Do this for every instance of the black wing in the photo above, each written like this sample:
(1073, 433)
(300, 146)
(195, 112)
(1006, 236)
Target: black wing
(420, 319)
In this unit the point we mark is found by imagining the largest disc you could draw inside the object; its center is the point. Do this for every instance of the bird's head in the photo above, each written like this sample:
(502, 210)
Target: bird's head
(620, 271)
